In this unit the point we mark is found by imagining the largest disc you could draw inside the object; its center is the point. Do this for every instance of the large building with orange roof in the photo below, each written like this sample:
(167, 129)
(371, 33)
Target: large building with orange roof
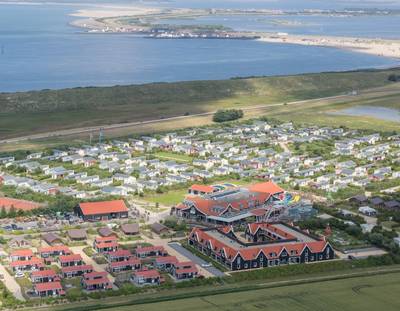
(232, 205)
(104, 210)
(262, 245)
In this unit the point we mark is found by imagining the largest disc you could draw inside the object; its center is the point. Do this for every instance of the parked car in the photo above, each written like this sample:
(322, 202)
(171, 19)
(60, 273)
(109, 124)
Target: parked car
(19, 275)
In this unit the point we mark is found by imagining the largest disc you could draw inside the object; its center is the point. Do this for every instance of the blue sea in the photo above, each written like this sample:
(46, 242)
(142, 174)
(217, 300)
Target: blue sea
(40, 50)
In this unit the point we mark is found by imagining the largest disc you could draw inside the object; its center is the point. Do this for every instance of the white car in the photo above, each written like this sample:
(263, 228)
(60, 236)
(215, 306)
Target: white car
(19, 275)
(206, 265)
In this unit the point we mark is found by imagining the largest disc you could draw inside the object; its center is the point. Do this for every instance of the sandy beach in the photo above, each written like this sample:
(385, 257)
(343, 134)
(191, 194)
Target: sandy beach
(114, 11)
(379, 47)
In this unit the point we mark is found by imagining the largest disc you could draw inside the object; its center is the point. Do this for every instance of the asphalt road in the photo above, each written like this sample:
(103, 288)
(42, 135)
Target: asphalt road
(197, 260)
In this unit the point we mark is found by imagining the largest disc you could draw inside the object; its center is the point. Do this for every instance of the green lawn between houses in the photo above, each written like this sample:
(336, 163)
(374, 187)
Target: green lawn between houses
(178, 157)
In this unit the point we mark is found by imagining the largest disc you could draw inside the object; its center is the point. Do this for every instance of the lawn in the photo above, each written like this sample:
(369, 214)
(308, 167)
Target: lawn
(353, 294)
(368, 293)
(343, 241)
(163, 155)
(168, 198)
(26, 113)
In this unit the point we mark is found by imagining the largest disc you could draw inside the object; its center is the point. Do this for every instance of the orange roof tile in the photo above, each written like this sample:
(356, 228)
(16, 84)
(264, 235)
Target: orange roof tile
(202, 188)
(104, 207)
(18, 204)
(266, 187)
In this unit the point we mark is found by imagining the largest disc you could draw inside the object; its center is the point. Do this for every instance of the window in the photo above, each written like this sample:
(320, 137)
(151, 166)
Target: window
(254, 264)
(246, 265)
(320, 257)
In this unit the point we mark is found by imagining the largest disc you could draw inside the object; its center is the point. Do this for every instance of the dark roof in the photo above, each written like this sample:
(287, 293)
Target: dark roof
(376, 201)
(158, 228)
(359, 198)
(130, 228)
(106, 232)
(392, 204)
(51, 237)
(77, 233)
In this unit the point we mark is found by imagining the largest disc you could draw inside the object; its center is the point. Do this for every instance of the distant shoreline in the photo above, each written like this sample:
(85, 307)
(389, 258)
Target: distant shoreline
(139, 20)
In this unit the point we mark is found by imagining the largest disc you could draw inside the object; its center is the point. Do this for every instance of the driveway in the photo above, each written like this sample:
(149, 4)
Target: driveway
(197, 260)
(11, 284)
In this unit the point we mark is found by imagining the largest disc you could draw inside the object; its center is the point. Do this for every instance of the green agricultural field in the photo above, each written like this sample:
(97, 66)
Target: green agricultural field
(361, 293)
(26, 113)
(368, 293)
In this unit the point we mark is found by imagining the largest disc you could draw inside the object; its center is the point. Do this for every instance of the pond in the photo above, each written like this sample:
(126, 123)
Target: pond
(383, 113)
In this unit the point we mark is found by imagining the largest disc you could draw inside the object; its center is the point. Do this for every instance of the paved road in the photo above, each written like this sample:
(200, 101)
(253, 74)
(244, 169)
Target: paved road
(180, 249)
(11, 284)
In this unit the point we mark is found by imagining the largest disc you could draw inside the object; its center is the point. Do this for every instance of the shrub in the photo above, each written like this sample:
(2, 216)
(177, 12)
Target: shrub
(227, 115)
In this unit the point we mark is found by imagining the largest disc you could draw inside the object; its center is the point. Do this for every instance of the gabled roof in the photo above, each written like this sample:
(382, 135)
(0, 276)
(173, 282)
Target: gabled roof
(68, 258)
(31, 262)
(77, 268)
(22, 253)
(147, 273)
(202, 188)
(266, 187)
(130, 262)
(42, 287)
(104, 207)
(270, 251)
(44, 273)
(56, 248)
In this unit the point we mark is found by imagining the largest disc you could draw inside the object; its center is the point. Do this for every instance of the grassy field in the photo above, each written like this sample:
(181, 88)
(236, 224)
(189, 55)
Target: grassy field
(42, 111)
(327, 292)
(369, 293)
(163, 155)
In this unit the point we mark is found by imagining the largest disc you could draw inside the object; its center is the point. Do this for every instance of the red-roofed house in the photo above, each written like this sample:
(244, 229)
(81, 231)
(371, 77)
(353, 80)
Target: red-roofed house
(21, 254)
(126, 265)
(27, 265)
(119, 255)
(150, 251)
(73, 271)
(96, 281)
(165, 263)
(50, 289)
(184, 270)
(44, 276)
(70, 260)
(146, 277)
(105, 210)
(106, 244)
(54, 251)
